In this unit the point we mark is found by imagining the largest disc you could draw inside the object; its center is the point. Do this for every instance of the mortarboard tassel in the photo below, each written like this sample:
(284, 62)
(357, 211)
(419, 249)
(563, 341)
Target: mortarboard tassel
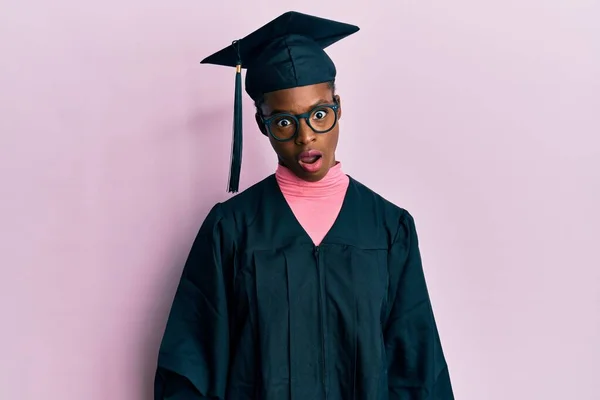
(236, 151)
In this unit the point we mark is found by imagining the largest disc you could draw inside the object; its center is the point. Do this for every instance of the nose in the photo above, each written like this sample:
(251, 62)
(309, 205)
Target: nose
(305, 134)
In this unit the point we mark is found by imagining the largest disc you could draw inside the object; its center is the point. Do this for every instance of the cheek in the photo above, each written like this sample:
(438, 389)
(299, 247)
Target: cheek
(332, 140)
(283, 150)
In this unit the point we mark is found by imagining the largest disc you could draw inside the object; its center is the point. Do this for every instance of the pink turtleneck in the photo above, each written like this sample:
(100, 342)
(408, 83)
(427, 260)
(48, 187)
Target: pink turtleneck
(316, 205)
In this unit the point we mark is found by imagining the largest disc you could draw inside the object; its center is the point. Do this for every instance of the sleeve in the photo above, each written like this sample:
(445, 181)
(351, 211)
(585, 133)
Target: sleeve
(417, 368)
(194, 353)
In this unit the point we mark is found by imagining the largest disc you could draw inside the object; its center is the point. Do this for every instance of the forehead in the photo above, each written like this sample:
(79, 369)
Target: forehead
(298, 99)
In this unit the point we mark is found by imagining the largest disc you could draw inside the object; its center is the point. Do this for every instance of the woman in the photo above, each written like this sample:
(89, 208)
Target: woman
(307, 285)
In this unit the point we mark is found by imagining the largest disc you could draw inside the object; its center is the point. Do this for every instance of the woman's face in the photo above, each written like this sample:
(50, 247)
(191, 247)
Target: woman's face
(309, 155)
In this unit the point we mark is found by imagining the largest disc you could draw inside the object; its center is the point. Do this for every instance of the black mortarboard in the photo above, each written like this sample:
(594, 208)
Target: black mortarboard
(285, 53)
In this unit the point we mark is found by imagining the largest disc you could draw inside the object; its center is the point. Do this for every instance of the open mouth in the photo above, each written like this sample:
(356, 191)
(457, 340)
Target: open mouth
(310, 156)
(311, 160)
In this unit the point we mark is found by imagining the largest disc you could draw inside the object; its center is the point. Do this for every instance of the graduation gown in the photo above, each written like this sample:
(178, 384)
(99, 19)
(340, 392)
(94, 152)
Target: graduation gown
(263, 313)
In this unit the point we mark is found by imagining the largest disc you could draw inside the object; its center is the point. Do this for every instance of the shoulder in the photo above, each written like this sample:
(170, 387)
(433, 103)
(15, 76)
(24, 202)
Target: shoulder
(246, 199)
(243, 207)
(370, 198)
(398, 219)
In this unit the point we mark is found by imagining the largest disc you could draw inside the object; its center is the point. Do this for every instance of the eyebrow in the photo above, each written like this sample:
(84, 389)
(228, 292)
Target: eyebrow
(318, 103)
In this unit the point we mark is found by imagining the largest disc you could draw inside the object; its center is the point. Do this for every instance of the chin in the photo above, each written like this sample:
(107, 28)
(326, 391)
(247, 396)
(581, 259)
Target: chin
(314, 177)
(307, 176)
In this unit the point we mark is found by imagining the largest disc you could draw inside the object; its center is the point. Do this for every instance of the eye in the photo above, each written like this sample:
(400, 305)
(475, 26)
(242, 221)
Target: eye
(284, 123)
(320, 114)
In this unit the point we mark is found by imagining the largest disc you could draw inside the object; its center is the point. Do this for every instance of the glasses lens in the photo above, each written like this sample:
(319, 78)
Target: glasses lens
(283, 126)
(322, 119)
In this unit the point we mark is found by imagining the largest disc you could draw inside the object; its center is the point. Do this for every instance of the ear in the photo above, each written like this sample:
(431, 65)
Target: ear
(338, 100)
(260, 124)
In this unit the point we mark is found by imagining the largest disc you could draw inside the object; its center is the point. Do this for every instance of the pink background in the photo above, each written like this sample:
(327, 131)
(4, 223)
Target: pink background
(480, 117)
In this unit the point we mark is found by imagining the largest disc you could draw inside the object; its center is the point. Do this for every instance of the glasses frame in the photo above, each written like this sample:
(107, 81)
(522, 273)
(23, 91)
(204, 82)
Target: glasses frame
(297, 117)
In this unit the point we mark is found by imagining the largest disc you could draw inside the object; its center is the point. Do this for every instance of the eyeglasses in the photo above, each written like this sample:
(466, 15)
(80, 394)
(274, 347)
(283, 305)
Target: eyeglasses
(283, 127)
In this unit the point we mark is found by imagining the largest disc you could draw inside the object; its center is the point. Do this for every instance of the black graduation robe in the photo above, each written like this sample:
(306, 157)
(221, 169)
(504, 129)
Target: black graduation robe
(263, 313)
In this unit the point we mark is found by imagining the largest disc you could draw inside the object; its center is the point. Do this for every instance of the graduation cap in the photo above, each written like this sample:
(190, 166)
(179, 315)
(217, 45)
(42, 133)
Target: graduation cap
(285, 53)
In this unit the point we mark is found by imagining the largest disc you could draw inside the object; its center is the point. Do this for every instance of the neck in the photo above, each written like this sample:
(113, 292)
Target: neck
(333, 182)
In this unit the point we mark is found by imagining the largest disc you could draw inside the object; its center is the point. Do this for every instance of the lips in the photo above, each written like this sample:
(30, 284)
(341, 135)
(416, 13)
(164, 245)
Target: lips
(310, 156)
(311, 160)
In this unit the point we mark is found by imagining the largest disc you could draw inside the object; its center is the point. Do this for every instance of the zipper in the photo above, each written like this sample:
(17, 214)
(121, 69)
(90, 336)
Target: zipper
(322, 319)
